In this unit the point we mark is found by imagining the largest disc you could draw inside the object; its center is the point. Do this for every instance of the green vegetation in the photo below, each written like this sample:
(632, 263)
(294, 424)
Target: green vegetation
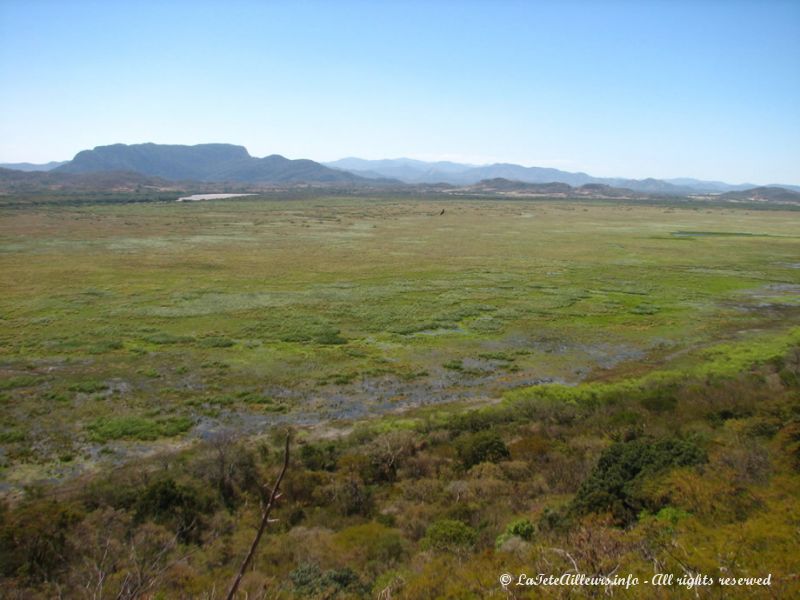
(484, 446)
(137, 428)
(447, 535)
(394, 504)
(509, 387)
(614, 485)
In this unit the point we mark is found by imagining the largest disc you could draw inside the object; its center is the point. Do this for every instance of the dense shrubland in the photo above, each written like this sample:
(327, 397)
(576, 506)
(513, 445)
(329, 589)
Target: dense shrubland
(684, 472)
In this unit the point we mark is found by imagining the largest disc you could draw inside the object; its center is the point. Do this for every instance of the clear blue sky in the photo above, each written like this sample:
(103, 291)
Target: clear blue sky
(664, 89)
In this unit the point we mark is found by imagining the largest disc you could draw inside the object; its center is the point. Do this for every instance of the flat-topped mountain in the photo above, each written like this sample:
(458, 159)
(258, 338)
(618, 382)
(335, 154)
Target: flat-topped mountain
(203, 162)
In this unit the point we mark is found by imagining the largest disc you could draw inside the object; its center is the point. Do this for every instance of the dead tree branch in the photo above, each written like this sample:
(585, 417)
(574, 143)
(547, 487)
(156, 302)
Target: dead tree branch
(265, 520)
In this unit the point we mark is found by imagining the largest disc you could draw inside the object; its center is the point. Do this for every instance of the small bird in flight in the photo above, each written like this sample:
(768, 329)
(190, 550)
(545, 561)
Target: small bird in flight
(441, 213)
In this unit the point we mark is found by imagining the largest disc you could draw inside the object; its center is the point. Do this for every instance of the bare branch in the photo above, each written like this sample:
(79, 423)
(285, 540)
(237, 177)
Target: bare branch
(567, 555)
(265, 520)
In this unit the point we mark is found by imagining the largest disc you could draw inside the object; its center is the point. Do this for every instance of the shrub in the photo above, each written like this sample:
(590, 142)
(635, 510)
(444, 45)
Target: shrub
(34, 539)
(176, 505)
(615, 483)
(474, 421)
(372, 543)
(349, 496)
(319, 457)
(229, 467)
(481, 447)
(659, 401)
(671, 515)
(310, 582)
(387, 453)
(521, 528)
(301, 485)
(447, 535)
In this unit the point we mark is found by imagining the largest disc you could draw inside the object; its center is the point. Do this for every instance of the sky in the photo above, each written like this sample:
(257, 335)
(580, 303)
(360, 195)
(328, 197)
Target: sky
(705, 89)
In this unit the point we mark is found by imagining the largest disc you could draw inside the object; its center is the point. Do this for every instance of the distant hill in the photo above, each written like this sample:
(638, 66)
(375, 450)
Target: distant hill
(16, 181)
(509, 188)
(764, 194)
(24, 166)
(291, 175)
(499, 184)
(416, 171)
(228, 163)
(503, 186)
(709, 186)
(607, 191)
(406, 170)
(204, 162)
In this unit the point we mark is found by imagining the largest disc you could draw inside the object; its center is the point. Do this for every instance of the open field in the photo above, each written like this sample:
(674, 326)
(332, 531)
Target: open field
(127, 324)
(504, 387)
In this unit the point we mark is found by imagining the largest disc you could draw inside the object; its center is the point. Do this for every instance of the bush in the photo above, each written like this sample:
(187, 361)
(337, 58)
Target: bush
(372, 543)
(521, 528)
(349, 496)
(481, 447)
(447, 535)
(475, 420)
(388, 452)
(659, 401)
(33, 539)
(310, 582)
(319, 457)
(175, 505)
(615, 483)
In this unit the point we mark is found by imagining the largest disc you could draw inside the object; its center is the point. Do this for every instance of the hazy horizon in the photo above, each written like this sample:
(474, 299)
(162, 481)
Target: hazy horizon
(454, 159)
(613, 89)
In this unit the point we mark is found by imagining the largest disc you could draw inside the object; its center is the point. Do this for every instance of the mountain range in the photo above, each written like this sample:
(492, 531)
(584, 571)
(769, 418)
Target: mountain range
(217, 163)
(415, 171)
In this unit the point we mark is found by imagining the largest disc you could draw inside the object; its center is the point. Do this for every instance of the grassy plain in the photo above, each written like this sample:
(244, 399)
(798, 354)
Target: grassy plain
(507, 387)
(122, 325)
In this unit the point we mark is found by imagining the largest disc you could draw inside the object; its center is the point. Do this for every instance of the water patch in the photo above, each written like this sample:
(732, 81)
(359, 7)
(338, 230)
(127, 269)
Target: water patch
(716, 234)
(196, 197)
